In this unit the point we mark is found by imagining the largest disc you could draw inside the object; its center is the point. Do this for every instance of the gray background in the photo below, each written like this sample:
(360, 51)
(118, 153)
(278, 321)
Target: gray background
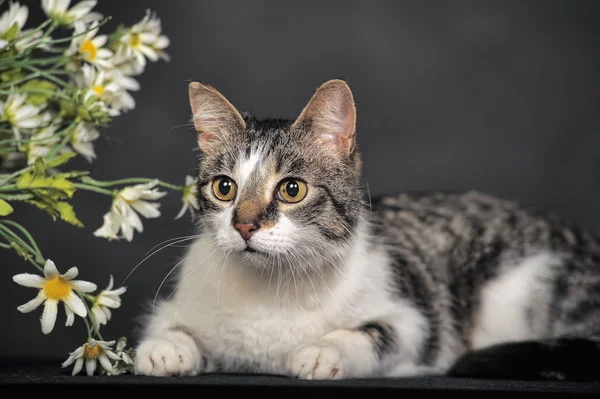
(499, 96)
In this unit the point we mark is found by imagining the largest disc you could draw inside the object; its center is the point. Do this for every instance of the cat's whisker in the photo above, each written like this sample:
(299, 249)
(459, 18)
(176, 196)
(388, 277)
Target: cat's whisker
(195, 280)
(316, 269)
(188, 238)
(181, 125)
(186, 280)
(193, 253)
(168, 240)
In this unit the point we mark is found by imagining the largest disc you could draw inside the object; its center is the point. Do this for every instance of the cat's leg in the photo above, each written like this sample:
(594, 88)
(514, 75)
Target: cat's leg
(373, 349)
(169, 347)
(170, 353)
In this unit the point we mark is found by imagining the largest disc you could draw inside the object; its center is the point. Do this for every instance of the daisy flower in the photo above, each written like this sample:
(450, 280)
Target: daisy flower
(11, 23)
(58, 10)
(82, 141)
(106, 299)
(91, 353)
(89, 46)
(189, 197)
(54, 288)
(144, 39)
(123, 214)
(109, 88)
(42, 144)
(20, 114)
(125, 362)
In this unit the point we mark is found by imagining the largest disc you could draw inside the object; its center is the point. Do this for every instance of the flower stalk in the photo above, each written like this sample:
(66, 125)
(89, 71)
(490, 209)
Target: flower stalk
(57, 97)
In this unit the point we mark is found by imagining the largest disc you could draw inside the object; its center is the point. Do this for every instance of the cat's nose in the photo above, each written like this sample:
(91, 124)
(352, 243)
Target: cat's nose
(246, 229)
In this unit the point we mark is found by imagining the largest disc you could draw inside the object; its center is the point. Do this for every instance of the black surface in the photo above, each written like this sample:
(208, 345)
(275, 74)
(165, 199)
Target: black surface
(35, 373)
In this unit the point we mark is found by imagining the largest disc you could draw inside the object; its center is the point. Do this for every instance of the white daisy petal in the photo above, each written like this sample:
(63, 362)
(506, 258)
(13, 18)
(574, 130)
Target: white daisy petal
(110, 302)
(76, 304)
(50, 269)
(146, 209)
(49, 315)
(29, 280)
(107, 312)
(103, 359)
(99, 315)
(33, 304)
(71, 273)
(70, 360)
(84, 286)
(112, 355)
(90, 366)
(78, 366)
(70, 316)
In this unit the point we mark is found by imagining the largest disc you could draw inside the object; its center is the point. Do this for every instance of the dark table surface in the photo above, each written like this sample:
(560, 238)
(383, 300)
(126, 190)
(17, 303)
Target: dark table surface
(46, 373)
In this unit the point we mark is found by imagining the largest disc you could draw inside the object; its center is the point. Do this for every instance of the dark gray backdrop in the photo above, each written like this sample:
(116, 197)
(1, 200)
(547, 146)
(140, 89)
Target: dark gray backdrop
(499, 96)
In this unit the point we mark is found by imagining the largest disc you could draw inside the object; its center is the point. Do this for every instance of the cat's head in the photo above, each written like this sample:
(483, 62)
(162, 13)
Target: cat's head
(277, 190)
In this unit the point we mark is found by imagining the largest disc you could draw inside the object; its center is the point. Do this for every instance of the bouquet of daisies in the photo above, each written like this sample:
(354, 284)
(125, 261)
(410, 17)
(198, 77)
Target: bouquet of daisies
(61, 84)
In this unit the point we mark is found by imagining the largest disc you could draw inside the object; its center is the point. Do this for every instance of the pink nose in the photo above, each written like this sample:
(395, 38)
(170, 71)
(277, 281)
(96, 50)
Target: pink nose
(246, 229)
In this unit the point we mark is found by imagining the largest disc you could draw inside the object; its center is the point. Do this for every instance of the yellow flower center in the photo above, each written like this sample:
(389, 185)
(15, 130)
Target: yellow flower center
(57, 288)
(98, 89)
(135, 39)
(92, 352)
(89, 50)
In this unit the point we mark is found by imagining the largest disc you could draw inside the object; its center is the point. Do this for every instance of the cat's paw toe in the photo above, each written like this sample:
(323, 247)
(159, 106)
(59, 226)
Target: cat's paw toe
(317, 363)
(158, 357)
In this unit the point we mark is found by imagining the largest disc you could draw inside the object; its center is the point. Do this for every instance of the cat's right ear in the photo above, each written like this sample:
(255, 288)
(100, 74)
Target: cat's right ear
(214, 116)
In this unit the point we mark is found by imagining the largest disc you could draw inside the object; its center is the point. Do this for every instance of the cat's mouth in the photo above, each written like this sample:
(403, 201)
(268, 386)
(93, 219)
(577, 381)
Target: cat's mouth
(250, 250)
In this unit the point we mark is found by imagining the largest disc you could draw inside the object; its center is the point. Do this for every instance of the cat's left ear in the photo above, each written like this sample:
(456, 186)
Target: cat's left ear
(330, 116)
(215, 118)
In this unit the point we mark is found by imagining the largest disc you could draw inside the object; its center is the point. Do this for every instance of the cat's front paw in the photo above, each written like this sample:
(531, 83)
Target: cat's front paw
(316, 362)
(174, 354)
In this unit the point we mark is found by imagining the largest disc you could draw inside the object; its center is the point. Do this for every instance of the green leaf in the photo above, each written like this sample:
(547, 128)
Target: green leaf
(11, 75)
(5, 208)
(38, 99)
(67, 213)
(55, 187)
(61, 159)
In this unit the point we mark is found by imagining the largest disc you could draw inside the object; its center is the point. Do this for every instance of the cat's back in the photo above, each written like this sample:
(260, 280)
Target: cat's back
(441, 222)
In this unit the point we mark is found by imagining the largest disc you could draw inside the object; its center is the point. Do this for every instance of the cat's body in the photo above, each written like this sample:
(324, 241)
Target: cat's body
(314, 280)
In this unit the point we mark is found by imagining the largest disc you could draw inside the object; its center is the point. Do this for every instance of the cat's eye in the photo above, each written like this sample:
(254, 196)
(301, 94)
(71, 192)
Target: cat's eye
(224, 188)
(292, 190)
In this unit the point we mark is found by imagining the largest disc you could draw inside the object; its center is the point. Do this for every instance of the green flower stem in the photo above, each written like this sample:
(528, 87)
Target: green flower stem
(4, 246)
(39, 91)
(4, 179)
(89, 328)
(89, 312)
(131, 180)
(48, 76)
(13, 175)
(11, 237)
(70, 38)
(25, 233)
(87, 187)
(33, 32)
(68, 132)
(18, 81)
(16, 197)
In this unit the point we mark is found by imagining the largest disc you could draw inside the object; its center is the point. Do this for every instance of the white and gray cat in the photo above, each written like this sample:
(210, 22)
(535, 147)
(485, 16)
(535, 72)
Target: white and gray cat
(293, 272)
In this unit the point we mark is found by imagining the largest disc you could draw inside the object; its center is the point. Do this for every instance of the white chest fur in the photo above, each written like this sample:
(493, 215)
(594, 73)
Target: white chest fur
(245, 320)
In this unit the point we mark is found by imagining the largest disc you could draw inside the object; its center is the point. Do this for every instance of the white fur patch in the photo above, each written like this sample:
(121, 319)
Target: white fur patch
(246, 167)
(504, 302)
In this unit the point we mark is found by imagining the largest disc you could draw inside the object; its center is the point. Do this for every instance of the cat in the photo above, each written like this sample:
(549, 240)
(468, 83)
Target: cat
(295, 272)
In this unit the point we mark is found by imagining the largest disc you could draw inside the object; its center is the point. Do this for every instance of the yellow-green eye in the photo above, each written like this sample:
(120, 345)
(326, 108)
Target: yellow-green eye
(292, 190)
(224, 188)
